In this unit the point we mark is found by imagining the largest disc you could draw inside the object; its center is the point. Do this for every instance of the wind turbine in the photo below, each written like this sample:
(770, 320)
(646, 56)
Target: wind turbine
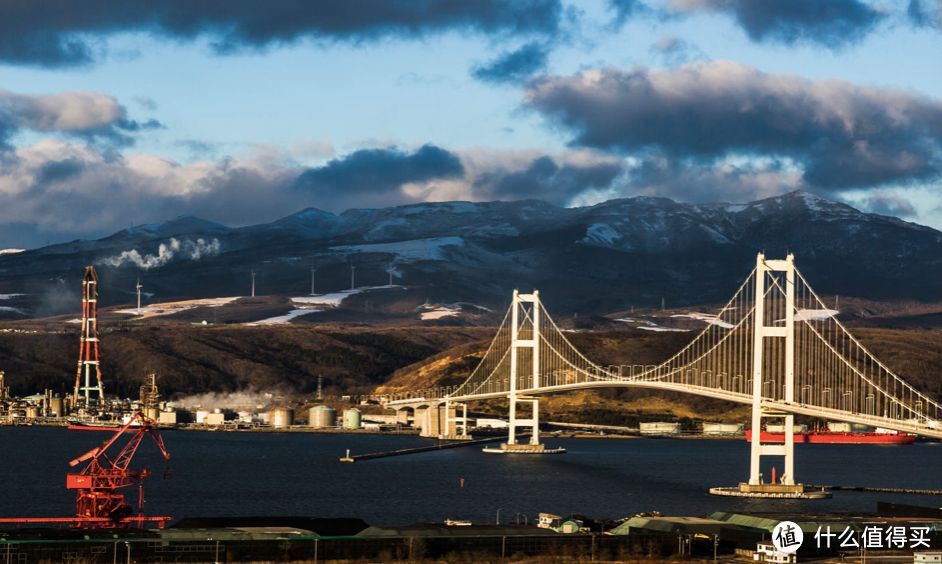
(139, 286)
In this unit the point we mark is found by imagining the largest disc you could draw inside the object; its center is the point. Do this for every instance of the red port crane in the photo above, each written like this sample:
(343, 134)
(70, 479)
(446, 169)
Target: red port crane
(98, 501)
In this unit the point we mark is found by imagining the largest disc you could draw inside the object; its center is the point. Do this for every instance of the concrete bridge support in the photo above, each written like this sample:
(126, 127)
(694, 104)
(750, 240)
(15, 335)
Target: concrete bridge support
(456, 422)
(438, 420)
(532, 424)
(420, 419)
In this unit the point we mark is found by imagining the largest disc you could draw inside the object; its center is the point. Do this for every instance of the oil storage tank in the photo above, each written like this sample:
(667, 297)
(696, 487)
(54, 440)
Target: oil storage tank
(280, 417)
(351, 418)
(55, 407)
(321, 416)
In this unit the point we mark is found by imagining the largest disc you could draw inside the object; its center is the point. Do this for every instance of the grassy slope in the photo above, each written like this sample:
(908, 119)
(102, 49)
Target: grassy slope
(193, 359)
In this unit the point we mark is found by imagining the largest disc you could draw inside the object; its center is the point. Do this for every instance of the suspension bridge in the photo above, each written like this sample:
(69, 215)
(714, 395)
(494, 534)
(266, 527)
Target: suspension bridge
(774, 346)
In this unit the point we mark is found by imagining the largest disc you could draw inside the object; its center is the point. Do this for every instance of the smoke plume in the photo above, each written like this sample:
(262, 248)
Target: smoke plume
(192, 250)
(248, 400)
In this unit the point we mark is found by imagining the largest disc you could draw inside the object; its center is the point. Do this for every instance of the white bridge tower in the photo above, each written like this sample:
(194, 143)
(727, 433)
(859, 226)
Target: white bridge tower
(764, 331)
(524, 337)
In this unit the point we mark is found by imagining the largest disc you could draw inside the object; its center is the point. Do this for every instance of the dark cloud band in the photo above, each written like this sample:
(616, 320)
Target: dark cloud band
(841, 135)
(371, 172)
(546, 179)
(831, 23)
(63, 35)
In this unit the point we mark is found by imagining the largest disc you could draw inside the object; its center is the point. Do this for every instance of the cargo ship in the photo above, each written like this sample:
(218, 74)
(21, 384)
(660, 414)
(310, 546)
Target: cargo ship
(97, 426)
(838, 437)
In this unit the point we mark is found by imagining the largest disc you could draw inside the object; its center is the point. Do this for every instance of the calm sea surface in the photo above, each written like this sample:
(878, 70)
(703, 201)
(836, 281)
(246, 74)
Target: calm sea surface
(218, 473)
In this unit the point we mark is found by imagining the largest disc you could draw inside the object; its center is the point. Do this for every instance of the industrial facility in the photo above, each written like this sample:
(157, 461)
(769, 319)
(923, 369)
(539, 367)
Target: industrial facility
(88, 406)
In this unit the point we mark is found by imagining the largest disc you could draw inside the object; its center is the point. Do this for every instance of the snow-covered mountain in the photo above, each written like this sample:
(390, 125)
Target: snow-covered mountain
(593, 259)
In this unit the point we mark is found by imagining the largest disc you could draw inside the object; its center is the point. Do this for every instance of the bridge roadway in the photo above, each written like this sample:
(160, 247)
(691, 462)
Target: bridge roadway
(932, 429)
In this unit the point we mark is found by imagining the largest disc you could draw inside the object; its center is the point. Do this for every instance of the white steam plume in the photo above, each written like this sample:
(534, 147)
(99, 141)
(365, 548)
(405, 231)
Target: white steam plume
(192, 250)
(247, 399)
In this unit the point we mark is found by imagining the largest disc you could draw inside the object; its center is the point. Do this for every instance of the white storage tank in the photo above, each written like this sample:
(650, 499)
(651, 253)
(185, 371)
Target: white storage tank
(214, 419)
(280, 417)
(351, 419)
(490, 423)
(321, 416)
(201, 415)
(659, 428)
(722, 428)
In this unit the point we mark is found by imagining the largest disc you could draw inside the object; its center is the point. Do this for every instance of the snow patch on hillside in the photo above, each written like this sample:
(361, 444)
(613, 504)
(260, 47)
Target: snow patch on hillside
(334, 299)
(812, 315)
(432, 312)
(438, 313)
(286, 318)
(815, 314)
(705, 317)
(649, 325)
(11, 251)
(170, 308)
(408, 251)
(600, 234)
(10, 296)
(658, 328)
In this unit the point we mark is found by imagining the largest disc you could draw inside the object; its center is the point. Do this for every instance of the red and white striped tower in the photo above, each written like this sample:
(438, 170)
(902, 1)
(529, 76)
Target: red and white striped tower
(88, 347)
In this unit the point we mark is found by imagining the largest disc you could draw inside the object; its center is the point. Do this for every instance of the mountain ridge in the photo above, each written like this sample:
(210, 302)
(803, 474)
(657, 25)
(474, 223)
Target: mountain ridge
(592, 259)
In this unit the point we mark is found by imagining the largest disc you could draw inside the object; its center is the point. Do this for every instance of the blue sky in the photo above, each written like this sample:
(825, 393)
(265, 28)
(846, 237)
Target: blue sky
(113, 118)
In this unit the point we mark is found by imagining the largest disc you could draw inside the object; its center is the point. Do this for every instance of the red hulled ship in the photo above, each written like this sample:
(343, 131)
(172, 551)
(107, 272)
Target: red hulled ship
(836, 437)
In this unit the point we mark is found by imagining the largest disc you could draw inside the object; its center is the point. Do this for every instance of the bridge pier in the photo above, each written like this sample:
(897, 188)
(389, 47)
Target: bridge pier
(533, 423)
(440, 420)
(455, 428)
